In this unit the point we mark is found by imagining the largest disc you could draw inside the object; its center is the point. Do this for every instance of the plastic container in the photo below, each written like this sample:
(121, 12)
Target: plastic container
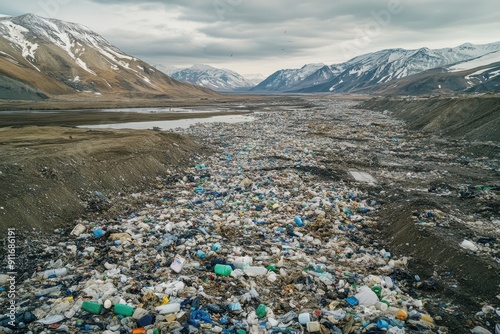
(139, 313)
(123, 309)
(313, 327)
(381, 324)
(255, 271)
(234, 306)
(366, 296)
(401, 315)
(304, 318)
(168, 308)
(177, 263)
(261, 311)
(242, 261)
(388, 282)
(223, 270)
(298, 221)
(201, 254)
(53, 273)
(381, 306)
(139, 331)
(78, 229)
(92, 307)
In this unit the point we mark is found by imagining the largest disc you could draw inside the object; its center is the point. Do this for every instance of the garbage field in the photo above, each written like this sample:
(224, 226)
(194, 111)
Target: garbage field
(291, 224)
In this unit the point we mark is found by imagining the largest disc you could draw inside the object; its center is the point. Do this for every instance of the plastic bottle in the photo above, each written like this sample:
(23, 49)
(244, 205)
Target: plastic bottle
(242, 261)
(92, 307)
(177, 264)
(123, 309)
(223, 270)
(255, 271)
(53, 273)
(168, 308)
(298, 221)
(47, 291)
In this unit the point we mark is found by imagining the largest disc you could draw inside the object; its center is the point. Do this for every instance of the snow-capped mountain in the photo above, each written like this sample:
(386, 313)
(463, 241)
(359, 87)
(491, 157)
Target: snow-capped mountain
(57, 57)
(481, 74)
(371, 69)
(213, 78)
(295, 79)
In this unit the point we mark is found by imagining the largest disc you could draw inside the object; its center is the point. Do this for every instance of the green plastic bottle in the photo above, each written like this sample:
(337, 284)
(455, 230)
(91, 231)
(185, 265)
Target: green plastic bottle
(223, 270)
(124, 310)
(261, 311)
(92, 307)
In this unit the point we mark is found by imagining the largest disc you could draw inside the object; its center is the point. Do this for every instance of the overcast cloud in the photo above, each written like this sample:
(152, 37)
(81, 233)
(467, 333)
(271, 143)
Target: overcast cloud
(262, 36)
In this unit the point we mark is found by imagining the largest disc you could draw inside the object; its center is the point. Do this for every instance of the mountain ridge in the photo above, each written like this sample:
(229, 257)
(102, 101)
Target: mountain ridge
(365, 71)
(207, 76)
(64, 58)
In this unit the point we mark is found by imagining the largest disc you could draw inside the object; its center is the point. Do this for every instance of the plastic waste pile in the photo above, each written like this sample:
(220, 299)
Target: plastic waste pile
(251, 239)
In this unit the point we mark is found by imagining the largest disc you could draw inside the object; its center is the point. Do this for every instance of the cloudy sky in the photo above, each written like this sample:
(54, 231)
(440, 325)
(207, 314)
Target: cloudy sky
(262, 36)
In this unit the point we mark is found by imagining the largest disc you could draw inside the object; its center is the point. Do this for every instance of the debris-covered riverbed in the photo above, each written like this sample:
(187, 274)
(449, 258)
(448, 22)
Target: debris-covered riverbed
(323, 220)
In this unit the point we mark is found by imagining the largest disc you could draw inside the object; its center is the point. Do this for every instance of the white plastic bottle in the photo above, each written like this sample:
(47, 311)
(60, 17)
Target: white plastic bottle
(168, 308)
(54, 272)
(255, 271)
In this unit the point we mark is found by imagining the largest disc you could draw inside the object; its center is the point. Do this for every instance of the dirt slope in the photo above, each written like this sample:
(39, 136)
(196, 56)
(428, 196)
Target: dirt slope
(472, 118)
(49, 175)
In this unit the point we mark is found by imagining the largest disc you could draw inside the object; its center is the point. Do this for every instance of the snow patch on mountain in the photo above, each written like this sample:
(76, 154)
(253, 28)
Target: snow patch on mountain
(67, 36)
(214, 78)
(487, 59)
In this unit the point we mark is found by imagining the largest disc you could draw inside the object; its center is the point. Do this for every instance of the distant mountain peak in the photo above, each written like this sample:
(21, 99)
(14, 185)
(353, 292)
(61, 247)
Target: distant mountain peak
(211, 77)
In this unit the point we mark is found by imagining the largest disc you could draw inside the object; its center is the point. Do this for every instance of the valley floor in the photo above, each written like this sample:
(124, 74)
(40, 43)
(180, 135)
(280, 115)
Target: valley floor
(243, 185)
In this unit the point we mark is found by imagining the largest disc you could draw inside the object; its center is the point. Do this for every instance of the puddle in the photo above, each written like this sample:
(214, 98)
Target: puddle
(173, 124)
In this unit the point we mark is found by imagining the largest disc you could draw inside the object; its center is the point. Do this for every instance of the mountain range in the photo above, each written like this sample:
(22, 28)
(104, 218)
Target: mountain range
(373, 71)
(42, 57)
(222, 80)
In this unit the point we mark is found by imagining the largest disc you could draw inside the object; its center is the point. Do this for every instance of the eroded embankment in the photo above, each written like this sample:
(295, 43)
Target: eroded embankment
(471, 118)
(50, 175)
